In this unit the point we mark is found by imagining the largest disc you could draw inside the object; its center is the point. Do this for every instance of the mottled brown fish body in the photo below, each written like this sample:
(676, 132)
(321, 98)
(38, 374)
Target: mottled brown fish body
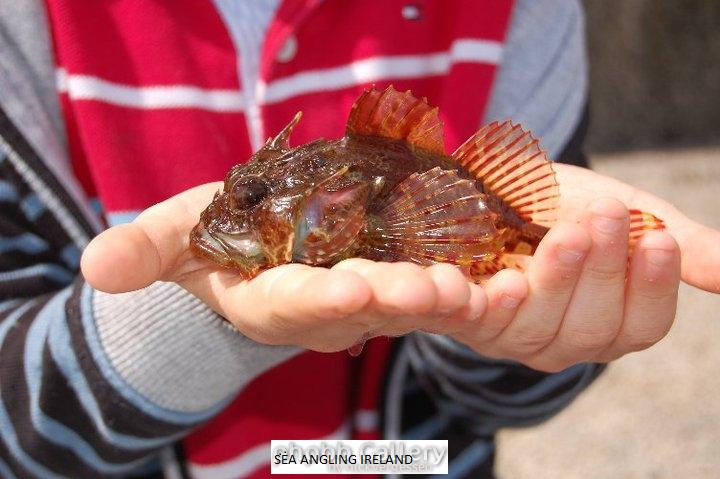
(386, 191)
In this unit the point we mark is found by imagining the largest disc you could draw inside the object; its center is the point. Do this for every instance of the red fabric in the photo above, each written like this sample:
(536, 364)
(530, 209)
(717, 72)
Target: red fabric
(185, 148)
(134, 156)
(297, 394)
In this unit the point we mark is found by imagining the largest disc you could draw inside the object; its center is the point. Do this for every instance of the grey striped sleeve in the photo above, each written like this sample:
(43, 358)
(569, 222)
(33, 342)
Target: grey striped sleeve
(490, 393)
(172, 349)
(92, 384)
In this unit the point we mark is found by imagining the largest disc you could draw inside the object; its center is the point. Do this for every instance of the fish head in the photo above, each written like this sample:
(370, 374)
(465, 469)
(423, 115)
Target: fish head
(284, 205)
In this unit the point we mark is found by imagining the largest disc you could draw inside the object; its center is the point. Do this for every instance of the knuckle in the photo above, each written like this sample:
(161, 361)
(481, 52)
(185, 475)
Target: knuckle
(526, 341)
(599, 273)
(587, 340)
(642, 339)
(652, 292)
(557, 288)
(557, 284)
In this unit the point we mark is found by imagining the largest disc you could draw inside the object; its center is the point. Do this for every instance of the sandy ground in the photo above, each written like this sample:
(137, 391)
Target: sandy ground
(653, 414)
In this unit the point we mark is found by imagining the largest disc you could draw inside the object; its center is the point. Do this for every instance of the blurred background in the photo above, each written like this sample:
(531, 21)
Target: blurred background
(655, 123)
(655, 73)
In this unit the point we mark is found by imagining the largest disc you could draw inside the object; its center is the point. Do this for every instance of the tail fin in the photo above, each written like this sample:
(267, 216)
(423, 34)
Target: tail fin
(642, 222)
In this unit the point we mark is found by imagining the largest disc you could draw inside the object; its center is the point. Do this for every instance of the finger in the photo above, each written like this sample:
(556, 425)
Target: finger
(404, 295)
(452, 287)
(700, 253)
(302, 293)
(651, 299)
(132, 256)
(552, 276)
(594, 315)
(464, 319)
(505, 291)
(458, 301)
(699, 245)
(290, 304)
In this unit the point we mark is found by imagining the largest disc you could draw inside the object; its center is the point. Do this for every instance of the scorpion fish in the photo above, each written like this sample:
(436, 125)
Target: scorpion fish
(388, 191)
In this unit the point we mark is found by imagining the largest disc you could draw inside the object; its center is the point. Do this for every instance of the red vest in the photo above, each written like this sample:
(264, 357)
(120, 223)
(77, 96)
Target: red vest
(150, 93)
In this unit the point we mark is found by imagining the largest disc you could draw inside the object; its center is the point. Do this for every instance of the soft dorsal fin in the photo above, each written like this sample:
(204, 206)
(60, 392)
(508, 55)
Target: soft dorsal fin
(399, 116)
(510, 164)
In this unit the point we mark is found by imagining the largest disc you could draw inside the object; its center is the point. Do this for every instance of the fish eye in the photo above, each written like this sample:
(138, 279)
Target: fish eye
(248, 193)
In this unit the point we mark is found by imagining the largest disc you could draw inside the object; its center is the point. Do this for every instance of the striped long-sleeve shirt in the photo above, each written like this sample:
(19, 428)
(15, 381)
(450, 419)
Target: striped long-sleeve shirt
(96, 385)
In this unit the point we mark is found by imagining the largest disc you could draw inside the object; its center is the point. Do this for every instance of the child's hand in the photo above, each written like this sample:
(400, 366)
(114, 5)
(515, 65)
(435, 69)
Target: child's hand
(316, 308)
(561, 312)
(577, 305)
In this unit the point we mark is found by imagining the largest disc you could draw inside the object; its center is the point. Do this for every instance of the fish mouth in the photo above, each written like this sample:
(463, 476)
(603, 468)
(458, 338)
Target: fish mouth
(239, 251)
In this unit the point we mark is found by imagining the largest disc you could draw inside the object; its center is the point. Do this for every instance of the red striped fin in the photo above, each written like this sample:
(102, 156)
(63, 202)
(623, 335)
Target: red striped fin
(510, 164)
(329, 224)
(435, 217)
(399, 116)
(642, 222)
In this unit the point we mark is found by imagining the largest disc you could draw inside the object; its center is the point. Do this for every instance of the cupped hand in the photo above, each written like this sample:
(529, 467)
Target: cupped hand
(573, 303)
(315, 308)
(580, 300)
(699, 244)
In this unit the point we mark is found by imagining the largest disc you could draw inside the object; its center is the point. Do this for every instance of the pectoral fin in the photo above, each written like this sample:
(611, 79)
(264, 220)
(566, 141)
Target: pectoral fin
(435, 217)
(329, 223)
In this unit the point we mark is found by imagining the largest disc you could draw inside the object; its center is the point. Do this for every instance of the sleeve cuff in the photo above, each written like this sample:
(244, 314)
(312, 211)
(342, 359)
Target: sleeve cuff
(175, 351)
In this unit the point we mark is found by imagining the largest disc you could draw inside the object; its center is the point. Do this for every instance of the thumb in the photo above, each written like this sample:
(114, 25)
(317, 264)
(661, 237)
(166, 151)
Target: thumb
(154, 247)
(122, 258)
(699, 244)
(700, 256)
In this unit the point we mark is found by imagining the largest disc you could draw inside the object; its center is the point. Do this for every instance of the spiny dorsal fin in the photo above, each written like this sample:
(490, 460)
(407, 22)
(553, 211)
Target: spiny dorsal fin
(434, 217)
(399, 116)
(282, 139)
(274, 146)
(511, 165)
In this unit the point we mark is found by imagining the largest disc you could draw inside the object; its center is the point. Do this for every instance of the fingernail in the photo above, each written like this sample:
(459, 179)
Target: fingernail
(509, 302)
(658, 257)
(606, 224)
(569, 256)
(607, 216)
